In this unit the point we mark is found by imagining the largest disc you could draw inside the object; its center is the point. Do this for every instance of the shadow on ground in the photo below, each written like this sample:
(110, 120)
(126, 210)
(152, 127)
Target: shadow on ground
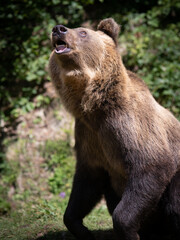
(65, 235)
(99, 235)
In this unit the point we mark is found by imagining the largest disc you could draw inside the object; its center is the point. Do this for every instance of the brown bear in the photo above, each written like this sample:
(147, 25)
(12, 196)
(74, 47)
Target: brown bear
(127, 145)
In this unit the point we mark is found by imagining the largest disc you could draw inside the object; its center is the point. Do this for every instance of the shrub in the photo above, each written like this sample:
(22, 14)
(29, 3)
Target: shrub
(153, 51)
(60, 161)
(24, 44)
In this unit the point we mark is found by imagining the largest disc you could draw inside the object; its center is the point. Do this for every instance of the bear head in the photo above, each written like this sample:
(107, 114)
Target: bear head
(79, 47)
(83, 62)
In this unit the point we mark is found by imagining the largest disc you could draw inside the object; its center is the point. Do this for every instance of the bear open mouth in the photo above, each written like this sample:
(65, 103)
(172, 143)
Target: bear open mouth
(61, 47)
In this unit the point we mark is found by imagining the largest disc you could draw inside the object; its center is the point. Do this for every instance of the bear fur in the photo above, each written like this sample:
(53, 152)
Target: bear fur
(127, 145)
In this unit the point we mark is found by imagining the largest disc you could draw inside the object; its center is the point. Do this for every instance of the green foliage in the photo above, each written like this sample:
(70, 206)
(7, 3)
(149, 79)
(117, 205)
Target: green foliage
(61, 162)
(153, 51)
(47, 209)
(151, 35)
(25, 29)
(9, 172)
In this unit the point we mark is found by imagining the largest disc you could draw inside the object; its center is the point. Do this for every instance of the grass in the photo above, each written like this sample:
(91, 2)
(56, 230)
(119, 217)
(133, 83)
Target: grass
(44, 221)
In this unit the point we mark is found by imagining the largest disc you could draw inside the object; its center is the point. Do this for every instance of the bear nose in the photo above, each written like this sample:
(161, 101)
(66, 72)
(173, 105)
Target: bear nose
(59, 29)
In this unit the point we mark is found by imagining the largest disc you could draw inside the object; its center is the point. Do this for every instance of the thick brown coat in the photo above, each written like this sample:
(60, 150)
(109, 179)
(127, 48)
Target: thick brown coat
(128, 146)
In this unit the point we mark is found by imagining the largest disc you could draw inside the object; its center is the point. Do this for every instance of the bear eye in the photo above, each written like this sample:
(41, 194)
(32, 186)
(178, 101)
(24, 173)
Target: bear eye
(83, 33)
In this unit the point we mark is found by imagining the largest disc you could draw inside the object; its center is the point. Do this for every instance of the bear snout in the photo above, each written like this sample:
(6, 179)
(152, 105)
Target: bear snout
(59, 30)
(59, 40)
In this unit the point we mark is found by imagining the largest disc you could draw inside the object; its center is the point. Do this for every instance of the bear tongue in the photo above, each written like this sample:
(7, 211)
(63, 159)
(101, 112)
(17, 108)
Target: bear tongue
(60, 48)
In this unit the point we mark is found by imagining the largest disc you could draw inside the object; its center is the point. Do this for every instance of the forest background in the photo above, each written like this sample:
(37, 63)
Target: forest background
(36, 134)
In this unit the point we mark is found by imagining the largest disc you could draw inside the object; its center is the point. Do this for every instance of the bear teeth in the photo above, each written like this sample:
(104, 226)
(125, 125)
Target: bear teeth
(60, 45)
(62, 48)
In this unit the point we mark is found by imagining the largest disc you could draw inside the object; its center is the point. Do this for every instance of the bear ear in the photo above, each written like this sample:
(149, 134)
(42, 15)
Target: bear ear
(110, 27)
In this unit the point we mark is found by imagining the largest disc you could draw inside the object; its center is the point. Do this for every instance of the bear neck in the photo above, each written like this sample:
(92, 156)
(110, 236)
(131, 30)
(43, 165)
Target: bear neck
(85, 91)
(108, 89)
